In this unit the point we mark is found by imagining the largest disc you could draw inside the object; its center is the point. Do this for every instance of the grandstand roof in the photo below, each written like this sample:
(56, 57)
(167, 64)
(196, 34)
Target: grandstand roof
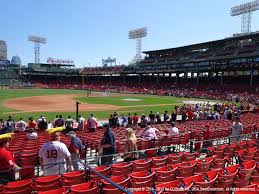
(209, 43)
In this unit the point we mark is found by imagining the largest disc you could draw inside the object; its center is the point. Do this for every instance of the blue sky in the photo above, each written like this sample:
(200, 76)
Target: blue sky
(89, 30)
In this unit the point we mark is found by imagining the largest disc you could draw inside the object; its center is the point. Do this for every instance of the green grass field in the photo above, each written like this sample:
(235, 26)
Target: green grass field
(144, 104)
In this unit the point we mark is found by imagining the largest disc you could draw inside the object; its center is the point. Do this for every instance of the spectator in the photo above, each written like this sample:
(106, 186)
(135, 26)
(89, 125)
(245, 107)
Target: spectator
(92, 123)
(75, 148)
(190, 115)
(107, 145)
(32, 134)
(173, 130)
(60, 122)
(152, 118)
(42, 124)
(21, 125)
(54, 156)
(115, 121)
(55, 119)
(158, 118)
(69, 124)
(111, 120)
(10, 123)
(237, 129)
(41, 118)
(143, 121)
(130, 146)
(124, 121)
(130, 121)
(6, 129)
(206, 137)
(150, 133)
(135, 119)
(173, 116)
(184, 116)
(32, 124)
(50, 126)
(7, 162)
(166, 117)
(81, 123)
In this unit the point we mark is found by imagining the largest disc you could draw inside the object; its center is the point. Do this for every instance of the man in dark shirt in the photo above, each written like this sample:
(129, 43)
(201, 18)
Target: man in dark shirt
(173, 117)
(151, 118)
(108, 145)
(130, 120)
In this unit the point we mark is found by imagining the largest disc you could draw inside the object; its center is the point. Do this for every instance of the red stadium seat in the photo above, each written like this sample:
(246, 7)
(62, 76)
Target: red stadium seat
(86, 188)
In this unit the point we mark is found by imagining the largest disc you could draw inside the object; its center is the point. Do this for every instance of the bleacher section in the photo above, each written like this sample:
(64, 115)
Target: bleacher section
(103, 70)
(234, 50)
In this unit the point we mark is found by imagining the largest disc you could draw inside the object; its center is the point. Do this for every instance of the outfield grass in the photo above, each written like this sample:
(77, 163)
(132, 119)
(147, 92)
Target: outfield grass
(146, 103)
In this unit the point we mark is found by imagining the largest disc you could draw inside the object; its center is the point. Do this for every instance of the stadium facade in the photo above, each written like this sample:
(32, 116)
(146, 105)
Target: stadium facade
(219, 62)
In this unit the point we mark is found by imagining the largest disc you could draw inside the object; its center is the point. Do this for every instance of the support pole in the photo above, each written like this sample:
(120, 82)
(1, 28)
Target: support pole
(77, 110)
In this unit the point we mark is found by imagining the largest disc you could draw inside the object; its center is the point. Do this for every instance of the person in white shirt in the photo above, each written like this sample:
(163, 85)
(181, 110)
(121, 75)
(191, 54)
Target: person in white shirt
(81, 122)
(173, 130)
(21, 125)
(32, 134)
(92, 123)
(54, 156)
(50, 125)
(150, 133)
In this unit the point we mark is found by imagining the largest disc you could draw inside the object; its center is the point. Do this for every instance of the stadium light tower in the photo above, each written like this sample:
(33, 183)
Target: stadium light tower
(137, 35)
(245, 10)
(37, 41)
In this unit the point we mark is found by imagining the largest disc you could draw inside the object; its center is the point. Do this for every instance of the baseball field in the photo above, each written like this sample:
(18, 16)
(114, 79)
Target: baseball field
(50, 102)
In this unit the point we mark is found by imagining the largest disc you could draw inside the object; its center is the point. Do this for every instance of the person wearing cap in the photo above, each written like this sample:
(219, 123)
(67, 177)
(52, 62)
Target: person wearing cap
(54, 156)
(74, 148)
(237, 129)
(107, 145)
(42, 123)
(7, 162)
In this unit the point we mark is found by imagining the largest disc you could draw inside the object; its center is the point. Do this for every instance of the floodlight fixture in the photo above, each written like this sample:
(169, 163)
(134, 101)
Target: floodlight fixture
(37, 41)
(245, 10)
(137, 35)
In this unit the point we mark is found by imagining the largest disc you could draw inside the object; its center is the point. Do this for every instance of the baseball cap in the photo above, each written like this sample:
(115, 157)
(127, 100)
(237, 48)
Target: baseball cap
(5, 137)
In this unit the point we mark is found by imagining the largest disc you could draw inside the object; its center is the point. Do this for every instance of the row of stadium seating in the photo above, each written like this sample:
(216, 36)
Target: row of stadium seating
(220, 169)
(26, 151)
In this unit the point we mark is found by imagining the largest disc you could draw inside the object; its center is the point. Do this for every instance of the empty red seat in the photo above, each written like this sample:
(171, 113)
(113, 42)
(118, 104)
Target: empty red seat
(55, 191)
(73, 178)
(86, 188)
(141, 165)
(18, 186)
